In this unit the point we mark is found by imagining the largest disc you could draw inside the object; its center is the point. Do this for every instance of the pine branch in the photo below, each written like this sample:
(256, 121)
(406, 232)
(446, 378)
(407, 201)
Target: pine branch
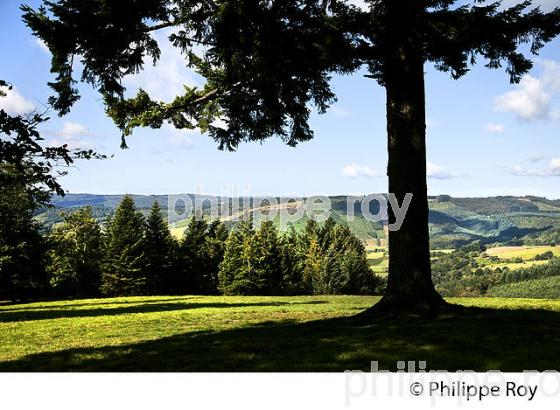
(175, 23)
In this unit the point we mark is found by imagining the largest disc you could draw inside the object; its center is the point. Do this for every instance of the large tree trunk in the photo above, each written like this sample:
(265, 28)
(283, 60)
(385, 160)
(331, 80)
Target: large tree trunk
(409, 286)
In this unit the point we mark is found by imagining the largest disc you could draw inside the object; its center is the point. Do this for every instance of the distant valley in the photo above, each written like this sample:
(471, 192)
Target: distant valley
(454, 222)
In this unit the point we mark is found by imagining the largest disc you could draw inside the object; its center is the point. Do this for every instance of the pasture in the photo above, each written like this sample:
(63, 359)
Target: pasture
(510, 257)
(523, 252)
(307, 333)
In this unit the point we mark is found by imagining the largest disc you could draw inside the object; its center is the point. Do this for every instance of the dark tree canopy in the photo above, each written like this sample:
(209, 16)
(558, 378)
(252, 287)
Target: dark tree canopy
(266, 62)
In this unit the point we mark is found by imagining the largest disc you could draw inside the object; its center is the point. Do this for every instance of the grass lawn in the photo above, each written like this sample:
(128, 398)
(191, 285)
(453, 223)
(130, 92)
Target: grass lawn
(316, 333)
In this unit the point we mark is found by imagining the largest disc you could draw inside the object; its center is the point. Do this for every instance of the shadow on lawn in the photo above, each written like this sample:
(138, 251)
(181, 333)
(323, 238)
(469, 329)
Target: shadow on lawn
(474, 340)
(44, 314)
(15, 306)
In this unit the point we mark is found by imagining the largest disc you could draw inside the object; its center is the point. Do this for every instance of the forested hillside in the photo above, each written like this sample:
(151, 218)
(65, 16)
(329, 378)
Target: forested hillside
(454, 222)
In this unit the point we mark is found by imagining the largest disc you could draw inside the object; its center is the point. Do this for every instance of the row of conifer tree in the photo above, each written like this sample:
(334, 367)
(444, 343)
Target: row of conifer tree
(136, 255)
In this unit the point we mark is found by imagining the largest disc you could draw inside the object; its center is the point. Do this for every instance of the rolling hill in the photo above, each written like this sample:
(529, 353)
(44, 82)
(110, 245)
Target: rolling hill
(454, 222)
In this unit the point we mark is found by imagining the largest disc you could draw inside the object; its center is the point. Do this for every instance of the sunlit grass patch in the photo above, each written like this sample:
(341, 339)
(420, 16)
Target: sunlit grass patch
(272, 333)
(523, 252)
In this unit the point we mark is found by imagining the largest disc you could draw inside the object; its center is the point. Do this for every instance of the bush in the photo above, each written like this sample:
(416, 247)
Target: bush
(544, 256)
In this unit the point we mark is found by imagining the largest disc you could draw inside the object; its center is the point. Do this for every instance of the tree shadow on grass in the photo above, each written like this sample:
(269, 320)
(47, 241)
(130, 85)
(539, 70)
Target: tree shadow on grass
(24, 305)
(477, 339)
(45, 314)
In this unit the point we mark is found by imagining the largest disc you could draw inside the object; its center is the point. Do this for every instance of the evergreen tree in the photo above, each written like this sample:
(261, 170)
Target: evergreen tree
(158, 253)
(265, 275)
(22, 248)
(342, 267)
(192, 257)
(352, 263)
(214, 252)
(236, 266)
(252, 261)
(329, 278)
(263, 262)
(124, 262)
(310, 233)
(292, 258)
(325, 233)
(75, 255)
(313, 266)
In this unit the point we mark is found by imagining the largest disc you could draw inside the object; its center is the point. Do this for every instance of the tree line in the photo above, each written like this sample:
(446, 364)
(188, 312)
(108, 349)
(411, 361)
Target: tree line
(133, 254)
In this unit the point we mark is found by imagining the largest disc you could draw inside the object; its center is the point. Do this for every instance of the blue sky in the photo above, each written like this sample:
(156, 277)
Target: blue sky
(485, 136)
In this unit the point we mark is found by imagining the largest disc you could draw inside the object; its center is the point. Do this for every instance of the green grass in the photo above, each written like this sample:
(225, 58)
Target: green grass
(379, 266)
(272, 334)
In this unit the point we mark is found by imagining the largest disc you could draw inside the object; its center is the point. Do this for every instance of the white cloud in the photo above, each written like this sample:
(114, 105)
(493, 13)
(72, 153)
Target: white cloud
(533, 97)
(180, 139)
(72, 130)
(537, 157)
(221, 123)
(177, 140)
(165, 80)
(432, 171)
(555, 167)
(552, 170)
(42, 45)
(551, 75)
(495, 128)
(14, 103)
(74, 135)
(529, 102)
(520, 171)
(355, 171)
(438, 172)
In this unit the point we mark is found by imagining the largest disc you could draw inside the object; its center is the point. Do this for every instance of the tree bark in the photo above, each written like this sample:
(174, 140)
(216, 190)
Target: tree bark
(409, 285)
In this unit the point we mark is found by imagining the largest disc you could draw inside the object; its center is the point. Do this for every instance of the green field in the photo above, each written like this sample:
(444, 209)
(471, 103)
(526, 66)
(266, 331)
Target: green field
(378, 257)
(272, 333)
(523, 252)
